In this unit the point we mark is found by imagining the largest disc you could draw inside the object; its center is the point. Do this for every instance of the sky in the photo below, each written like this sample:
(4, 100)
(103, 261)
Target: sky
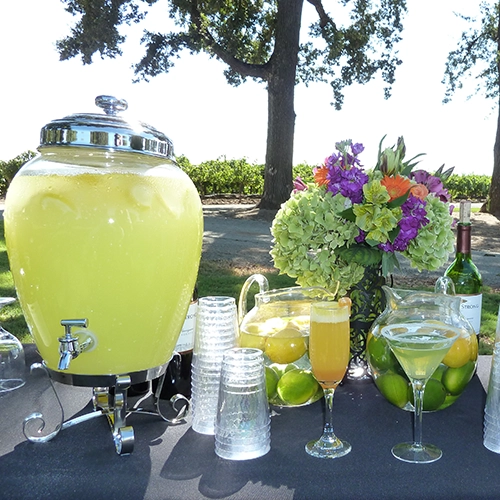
(206, 118)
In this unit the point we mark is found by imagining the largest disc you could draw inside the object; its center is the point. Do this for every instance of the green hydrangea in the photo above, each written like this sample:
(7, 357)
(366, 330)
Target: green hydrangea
(307, 232)
(433, 245)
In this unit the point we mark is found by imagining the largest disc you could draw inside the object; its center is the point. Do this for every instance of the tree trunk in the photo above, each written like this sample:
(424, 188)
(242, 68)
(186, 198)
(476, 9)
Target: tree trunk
(494, 201)
(278, 182)
(494, 196)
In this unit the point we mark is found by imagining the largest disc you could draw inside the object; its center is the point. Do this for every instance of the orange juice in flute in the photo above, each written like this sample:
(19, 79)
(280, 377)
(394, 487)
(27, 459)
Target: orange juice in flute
(329, 342)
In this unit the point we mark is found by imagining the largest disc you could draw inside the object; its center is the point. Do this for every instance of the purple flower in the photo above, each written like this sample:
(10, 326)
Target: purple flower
(299, 185)
(332, 160)
(357, 148)
(386, 247)
(343, 158)
(420, 177)
(433, 184)
(348, 183)
(414, 217)
(360, 238)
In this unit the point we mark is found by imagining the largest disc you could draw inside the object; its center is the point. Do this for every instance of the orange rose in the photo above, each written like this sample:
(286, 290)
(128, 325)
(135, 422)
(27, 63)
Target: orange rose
(419, 191)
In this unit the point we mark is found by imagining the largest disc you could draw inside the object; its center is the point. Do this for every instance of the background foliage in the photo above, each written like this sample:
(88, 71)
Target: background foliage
(9, 168)
(238, 176)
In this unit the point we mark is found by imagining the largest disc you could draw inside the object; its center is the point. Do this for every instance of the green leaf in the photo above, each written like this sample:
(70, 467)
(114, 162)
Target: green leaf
(397, 202)
(348, 214)
(444, 176)
(360, 254)
(389, 262)
(372, 243)
(408, 166)
(394, 233)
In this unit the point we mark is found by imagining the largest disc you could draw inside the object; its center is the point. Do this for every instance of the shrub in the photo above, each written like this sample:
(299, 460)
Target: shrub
(223, 176)
(472, 187)
(8, 169)
(304, 171)
(238, 177)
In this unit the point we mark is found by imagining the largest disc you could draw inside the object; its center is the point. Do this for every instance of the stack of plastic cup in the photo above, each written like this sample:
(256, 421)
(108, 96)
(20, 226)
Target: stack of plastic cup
(491, 438)
(243, 423)
(216, 331)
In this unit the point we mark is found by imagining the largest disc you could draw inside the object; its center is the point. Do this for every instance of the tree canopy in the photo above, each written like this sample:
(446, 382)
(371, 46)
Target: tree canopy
(256, 39)
(478, 56)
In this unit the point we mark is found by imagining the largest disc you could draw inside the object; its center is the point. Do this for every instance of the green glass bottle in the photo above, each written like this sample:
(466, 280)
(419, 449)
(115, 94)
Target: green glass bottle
(178, 376)
(464, 273)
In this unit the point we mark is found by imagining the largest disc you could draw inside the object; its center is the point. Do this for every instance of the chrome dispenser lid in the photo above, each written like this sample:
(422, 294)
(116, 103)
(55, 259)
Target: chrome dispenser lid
(107, 131)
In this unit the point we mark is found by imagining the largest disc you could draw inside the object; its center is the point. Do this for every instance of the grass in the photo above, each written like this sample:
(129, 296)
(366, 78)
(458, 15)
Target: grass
(219, 278)
(474, 209)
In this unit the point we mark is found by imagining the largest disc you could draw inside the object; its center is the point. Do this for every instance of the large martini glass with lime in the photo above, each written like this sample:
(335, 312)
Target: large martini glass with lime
(419, 348)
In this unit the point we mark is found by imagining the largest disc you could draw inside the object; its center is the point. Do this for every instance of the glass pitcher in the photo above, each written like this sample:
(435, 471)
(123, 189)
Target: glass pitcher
(458, 366)
(278, 324)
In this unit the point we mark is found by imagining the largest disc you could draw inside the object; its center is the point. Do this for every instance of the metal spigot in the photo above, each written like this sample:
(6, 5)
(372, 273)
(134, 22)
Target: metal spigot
(71, 346)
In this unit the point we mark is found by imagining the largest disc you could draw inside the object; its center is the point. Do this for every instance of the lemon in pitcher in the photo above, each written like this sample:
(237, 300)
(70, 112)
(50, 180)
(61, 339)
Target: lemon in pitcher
(285, 346)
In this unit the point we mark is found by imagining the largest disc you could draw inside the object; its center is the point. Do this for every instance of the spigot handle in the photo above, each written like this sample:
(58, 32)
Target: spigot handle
(70, 347)
(72, 323)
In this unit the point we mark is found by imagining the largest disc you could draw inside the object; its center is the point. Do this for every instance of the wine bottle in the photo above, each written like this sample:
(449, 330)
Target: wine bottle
(178, 375)
(464, 273)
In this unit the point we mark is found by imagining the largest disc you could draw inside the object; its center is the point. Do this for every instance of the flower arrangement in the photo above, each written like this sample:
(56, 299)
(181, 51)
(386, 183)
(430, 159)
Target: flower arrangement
(330, 230)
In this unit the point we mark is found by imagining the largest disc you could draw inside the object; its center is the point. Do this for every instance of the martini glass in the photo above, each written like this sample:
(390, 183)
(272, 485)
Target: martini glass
(329, 347)
(419, 348)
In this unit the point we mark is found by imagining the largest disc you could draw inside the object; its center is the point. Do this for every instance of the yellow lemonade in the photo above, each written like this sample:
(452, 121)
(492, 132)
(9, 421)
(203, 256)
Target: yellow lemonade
(329, 343)
(121, 250)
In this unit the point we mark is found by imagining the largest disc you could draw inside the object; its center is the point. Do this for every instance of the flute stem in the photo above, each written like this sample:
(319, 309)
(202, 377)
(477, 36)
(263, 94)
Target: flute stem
(328, 432)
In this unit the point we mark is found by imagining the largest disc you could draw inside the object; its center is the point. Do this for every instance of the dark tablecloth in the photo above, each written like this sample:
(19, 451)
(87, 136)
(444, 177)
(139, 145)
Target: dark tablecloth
(171, 462)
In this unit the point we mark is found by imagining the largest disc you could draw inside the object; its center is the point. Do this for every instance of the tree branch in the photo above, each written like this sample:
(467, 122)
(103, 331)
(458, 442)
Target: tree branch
(245, 69)
(324, 18)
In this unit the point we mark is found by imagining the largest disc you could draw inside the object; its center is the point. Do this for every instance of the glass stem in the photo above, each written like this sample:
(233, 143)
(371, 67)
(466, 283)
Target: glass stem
(418, 399)
(328, 427)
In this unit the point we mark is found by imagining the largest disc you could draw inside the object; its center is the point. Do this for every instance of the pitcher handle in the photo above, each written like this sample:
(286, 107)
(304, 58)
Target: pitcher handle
(242, 303)
(444, 285)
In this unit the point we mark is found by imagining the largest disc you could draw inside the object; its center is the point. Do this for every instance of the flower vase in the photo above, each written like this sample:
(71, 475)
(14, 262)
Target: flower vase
(368, 301)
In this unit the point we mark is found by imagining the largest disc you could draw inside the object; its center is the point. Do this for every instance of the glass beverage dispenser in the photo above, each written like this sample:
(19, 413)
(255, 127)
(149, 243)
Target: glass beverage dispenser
(104, 236)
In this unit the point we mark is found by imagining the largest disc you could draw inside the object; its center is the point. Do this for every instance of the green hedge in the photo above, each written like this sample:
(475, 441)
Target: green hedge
(240, 177)
(471, 187)
(237, 176)
(9, 168)
(223, 176)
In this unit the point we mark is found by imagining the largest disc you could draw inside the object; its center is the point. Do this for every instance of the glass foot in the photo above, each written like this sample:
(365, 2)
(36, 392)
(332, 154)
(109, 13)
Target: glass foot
(417, 454)
(325, 448)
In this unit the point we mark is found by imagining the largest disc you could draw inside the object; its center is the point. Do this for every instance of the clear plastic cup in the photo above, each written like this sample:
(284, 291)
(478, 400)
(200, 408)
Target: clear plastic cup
(491, 436)
(216, 331)
(242, 428)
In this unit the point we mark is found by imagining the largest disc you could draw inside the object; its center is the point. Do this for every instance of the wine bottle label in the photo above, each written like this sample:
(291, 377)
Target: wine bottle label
(186, 338)
(471, 309)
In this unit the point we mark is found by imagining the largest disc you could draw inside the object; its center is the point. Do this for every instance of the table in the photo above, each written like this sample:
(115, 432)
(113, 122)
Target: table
(174, 462)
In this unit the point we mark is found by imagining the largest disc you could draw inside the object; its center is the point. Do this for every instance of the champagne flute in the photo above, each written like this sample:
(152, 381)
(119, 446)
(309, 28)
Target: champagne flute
(419, 348)
(329, 351)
